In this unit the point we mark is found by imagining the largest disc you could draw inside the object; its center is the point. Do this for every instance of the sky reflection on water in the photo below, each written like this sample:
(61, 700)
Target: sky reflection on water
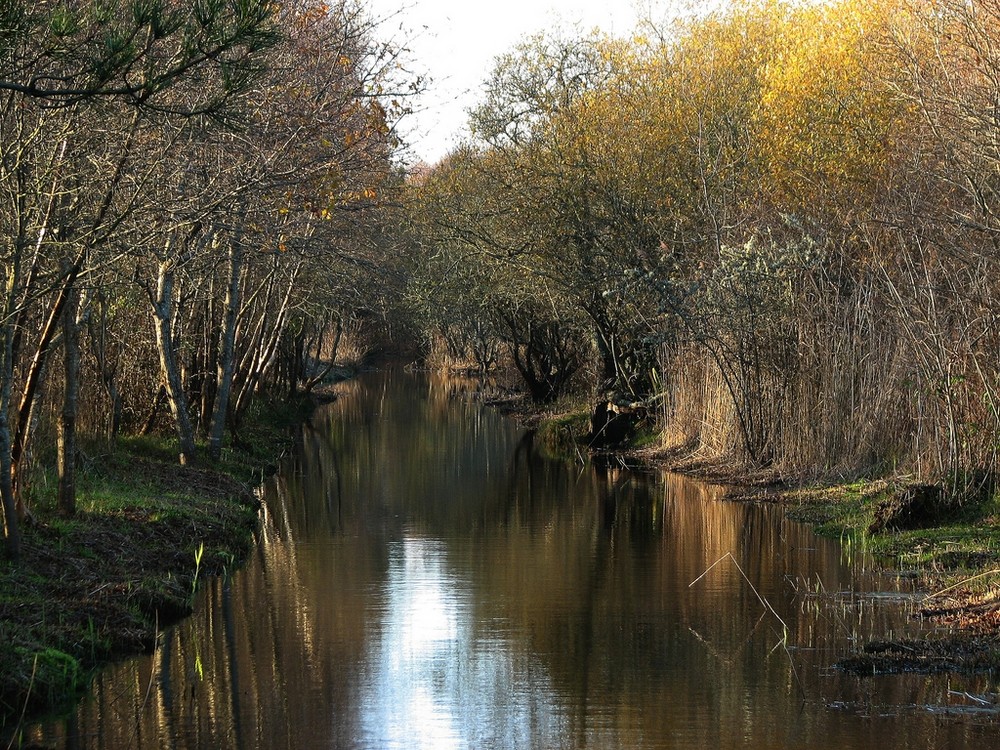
(428, 577)
(437, 680)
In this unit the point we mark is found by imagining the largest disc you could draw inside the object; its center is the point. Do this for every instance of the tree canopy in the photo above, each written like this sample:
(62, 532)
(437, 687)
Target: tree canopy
(191, 196)
(774, 221)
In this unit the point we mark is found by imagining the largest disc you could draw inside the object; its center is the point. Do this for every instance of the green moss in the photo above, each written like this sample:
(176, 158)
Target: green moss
(645, 438)
(58, 670)
(967, 542)
(563, 436)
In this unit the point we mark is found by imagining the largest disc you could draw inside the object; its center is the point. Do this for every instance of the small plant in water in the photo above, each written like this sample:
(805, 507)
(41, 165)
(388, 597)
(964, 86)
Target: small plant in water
(230, 562)
(197, 568)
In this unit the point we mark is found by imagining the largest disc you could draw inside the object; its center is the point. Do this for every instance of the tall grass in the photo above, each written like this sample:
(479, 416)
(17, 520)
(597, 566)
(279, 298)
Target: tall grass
(870, 386)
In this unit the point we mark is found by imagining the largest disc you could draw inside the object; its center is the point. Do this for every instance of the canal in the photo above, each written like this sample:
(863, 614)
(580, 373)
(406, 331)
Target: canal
(427, 577)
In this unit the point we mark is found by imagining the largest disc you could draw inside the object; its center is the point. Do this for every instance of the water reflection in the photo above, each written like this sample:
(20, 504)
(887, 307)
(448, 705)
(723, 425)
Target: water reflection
(415, 657)
(435, 678)
(426, 579)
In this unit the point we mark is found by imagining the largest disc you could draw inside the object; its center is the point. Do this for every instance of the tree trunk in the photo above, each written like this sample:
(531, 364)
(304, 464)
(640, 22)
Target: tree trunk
(11, 525)
(98, 346)
(169, 370)
(266, 354)
(8, 333)
(66, 443)
(319, 377)
(290, 363)
(154, 409)
(254, 341)
(228, 354)
(29, 393)
(210, 358)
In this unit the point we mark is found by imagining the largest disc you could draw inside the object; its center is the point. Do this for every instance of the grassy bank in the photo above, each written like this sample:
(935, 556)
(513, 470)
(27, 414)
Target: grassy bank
(98, 585)
(954, 558)
(963, 541)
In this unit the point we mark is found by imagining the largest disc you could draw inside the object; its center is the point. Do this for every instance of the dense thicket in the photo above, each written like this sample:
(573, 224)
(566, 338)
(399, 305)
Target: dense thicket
(777, 221)
(191, 200)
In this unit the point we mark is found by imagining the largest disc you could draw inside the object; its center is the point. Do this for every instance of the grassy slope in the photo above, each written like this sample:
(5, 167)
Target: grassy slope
(965, 543)
(957, 563)
(96, 586)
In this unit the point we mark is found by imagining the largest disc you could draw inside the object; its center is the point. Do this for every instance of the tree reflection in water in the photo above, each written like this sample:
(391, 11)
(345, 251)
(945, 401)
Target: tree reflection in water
(427, 579)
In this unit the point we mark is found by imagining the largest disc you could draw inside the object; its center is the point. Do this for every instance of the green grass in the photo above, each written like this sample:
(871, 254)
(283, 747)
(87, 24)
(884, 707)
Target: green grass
(645, 438)
(97, 585)
(563, 432)
(562, 436)
(968, 542)
(157, 447)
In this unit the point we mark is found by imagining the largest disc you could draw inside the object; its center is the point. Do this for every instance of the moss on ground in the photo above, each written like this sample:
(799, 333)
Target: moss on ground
(563, 436)
(564, 433)
(956, 562)
(965, 543)
(98, 585)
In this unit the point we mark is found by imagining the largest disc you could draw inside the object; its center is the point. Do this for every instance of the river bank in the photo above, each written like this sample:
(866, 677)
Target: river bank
(951, 551)
(423, 563)
(102, 584)
(953, 555)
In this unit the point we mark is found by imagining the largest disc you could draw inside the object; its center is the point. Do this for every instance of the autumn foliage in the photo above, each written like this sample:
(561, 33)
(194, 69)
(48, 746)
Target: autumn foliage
(190, 196)
(776, 223)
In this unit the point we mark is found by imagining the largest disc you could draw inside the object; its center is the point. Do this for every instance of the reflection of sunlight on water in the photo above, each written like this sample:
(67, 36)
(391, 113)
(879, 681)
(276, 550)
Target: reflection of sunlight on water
(431, 681)
(420, 611)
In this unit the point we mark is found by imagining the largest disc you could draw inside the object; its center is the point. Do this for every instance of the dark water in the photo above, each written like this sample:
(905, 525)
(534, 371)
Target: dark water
(426, 578)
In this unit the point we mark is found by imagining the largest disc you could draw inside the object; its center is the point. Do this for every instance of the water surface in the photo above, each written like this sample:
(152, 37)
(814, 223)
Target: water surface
(427, 578)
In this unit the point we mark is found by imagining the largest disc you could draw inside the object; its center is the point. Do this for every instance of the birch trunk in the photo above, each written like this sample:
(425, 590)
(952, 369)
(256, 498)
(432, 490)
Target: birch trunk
(173, 384)
(267, 354)
(228, 350)
(321, 376)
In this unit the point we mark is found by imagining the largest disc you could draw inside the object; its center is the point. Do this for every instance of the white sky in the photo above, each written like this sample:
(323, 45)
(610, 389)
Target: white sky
(454, 43)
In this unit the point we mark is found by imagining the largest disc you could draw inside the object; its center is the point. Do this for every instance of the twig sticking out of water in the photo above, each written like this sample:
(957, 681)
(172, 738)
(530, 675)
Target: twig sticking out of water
(760, 598)
(767, 606)
(973, 698)
(17, 727)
